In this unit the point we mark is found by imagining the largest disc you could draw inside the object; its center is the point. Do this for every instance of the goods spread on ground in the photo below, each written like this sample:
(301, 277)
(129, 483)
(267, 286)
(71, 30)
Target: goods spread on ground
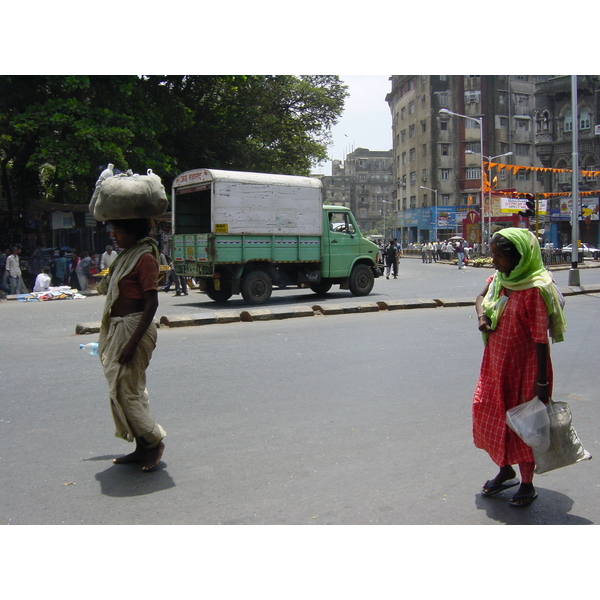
(63, 292)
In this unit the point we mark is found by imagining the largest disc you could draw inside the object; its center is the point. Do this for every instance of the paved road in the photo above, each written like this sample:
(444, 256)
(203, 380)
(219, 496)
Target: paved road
(415, 281)
(352, 419)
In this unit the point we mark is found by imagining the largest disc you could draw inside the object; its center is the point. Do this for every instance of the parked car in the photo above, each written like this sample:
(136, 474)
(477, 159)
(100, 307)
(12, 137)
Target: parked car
(584, 249)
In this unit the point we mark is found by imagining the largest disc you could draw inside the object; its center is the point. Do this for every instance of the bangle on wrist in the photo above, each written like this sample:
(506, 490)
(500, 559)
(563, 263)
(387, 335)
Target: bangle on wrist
(542, 384)
(481, 315)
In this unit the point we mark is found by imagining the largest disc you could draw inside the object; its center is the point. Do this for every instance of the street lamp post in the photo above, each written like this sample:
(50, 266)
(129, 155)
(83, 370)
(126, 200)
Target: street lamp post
(445, 111)
(436, 211)
(384, 212)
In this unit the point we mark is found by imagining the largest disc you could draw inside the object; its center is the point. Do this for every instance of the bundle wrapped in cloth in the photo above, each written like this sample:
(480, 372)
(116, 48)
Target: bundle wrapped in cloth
(128, 196)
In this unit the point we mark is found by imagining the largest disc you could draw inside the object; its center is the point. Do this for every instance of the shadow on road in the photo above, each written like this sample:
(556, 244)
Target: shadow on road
(125, 480)
(550, 508)
(307, 297)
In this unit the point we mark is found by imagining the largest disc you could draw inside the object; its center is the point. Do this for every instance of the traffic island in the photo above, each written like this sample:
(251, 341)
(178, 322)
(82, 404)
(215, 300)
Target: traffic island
(256, 314)
(406, 304)
(453, 303)
(328, 309)
(293, 312)
(188, 320)
(83, 328)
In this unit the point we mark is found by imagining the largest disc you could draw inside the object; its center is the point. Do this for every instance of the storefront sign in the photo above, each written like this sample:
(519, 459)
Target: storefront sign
(63, 220)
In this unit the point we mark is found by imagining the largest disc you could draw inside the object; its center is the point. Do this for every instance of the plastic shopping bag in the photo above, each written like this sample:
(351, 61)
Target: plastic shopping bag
(565, 447)
(531, 423)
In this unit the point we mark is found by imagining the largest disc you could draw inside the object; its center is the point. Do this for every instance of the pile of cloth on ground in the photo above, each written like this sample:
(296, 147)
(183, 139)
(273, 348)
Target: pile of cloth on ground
(63, 292)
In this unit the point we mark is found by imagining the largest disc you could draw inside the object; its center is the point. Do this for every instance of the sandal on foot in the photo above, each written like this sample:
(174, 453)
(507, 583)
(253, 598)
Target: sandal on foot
(522, 500)
(491, 489)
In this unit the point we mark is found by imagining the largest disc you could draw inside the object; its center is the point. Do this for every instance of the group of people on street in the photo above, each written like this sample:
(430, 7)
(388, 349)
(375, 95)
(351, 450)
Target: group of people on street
(430, 252)
(68, 268)
(63, 270)
(448, 250)
(518, 312)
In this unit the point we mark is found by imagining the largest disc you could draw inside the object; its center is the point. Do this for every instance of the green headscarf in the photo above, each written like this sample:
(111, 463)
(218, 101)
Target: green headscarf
(529, 272)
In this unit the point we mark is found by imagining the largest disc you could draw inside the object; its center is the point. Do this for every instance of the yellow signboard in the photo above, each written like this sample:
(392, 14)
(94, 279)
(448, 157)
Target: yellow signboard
(221, 228)
(515, 205)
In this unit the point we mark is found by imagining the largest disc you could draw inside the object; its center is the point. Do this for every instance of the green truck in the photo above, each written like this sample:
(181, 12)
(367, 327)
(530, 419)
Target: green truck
(244, 233)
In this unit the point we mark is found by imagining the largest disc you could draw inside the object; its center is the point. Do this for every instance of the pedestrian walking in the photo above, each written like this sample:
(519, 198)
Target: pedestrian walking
(460, 254)
(13, 268)
(391, 259)
(515, 312)
(181, 288)
(128, 337)
(429, 252)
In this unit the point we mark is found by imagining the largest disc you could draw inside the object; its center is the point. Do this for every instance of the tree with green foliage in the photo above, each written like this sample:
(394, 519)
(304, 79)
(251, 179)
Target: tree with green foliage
(278, 124)
(57, 133)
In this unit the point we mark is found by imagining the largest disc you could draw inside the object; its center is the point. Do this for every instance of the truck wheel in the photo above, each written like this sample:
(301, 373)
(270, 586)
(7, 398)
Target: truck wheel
(320, 288)
(256, 287)
(221, 295)
(361, 280)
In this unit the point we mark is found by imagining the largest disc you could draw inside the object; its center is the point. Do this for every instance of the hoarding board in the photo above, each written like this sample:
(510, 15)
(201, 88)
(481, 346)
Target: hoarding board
(589, 208)
(515, 205)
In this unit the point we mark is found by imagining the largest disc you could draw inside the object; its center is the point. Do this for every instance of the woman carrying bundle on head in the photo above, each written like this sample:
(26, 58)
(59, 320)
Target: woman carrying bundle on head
(517, 311)
(128, 337)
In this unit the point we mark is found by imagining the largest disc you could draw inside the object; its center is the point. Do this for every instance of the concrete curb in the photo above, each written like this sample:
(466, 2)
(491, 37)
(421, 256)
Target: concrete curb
(278, 313)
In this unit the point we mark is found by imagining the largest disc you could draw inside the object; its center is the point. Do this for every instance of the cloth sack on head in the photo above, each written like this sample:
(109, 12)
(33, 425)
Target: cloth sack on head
(128, 196)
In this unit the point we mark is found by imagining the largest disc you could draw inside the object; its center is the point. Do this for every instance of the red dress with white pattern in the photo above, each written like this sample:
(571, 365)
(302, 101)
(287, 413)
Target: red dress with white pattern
(508, 375)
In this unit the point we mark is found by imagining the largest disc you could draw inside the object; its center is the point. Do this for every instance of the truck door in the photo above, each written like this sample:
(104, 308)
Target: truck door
(343, 244)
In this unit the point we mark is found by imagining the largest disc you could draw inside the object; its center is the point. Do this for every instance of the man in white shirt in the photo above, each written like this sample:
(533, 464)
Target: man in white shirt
(107, 258)
(14, 270)
(42, 281)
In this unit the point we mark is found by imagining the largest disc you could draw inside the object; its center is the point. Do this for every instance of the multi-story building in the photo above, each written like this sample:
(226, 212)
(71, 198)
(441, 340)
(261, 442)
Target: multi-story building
(337, 188)
(438, 156)
(554, 127)
(364, 183)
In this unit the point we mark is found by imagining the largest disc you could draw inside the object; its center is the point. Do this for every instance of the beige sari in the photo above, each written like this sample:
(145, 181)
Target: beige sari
(127, 383)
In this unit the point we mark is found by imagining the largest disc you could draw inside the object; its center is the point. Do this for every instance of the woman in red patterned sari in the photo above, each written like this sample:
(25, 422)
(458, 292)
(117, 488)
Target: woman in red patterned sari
(515, 312)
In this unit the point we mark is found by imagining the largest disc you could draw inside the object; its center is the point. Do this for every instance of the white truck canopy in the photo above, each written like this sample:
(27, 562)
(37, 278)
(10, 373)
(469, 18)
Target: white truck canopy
(256, 203)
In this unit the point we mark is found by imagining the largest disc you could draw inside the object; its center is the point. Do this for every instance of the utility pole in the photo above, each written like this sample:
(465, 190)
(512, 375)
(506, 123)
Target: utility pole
(574, 271)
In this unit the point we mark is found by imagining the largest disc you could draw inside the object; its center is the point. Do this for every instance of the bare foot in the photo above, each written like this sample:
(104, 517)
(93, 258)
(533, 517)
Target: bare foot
(153, 456)
(139, 455)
